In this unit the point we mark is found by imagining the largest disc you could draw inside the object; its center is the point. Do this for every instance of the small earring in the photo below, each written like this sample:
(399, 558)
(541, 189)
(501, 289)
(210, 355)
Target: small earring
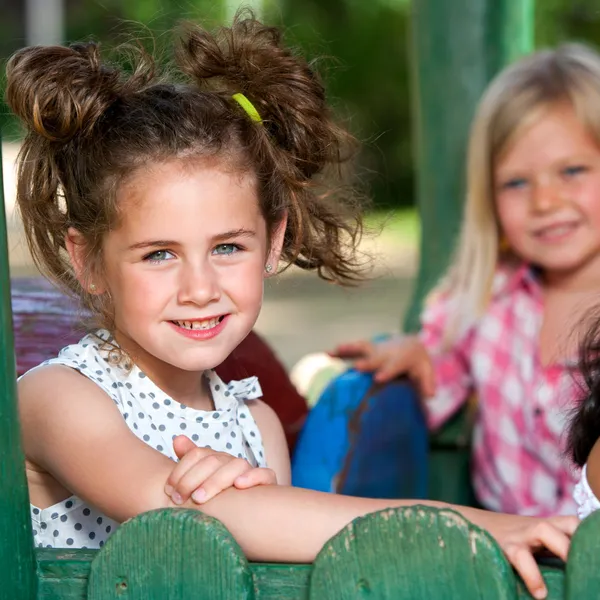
(92, 287)
(268, 268)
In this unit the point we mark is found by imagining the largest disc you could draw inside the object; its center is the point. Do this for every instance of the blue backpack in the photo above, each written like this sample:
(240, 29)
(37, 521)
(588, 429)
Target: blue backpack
(364, 439)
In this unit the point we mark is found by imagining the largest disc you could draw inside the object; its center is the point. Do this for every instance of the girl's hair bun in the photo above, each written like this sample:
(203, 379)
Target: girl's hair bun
(250, 58)
(58, 91)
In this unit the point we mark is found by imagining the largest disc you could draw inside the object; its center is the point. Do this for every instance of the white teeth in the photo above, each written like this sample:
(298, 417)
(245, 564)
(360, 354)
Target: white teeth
(557, 230)
(208, 324)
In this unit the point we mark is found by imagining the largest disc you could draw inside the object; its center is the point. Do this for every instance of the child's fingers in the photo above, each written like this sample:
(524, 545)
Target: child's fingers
(367, 365)
(254, 477)
(566, 524)
(390, 366)
(547, 534)
(353, 350)
(524, 563)
(212, 461)
(182, 445)
(554, 535)
(203, 482)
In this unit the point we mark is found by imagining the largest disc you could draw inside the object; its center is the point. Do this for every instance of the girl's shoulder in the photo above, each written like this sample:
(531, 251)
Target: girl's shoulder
(90, 357)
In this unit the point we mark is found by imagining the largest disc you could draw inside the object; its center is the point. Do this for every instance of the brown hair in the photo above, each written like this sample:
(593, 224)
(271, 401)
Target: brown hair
(91, 124)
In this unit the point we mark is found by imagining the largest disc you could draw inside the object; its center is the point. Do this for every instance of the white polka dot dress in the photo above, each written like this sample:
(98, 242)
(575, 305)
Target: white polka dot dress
(154, 418)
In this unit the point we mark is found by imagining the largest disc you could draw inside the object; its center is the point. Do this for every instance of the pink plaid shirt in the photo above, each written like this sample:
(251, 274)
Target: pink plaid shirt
(518, 447)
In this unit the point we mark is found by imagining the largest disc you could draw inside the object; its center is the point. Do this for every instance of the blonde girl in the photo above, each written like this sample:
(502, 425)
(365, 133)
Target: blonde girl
(502, 322)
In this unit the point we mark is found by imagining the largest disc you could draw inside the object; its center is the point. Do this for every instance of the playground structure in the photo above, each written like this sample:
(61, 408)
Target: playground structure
(408, 553)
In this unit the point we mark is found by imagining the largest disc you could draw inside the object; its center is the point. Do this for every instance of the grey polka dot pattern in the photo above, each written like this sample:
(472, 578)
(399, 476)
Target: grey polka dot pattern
(155, 419)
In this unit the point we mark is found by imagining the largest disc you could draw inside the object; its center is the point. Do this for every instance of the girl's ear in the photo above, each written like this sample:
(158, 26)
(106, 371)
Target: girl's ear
(277, 238)
(76, 248)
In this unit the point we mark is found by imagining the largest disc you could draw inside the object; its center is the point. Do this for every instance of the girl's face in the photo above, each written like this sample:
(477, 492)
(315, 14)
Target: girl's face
(547, 191)
(185, 267)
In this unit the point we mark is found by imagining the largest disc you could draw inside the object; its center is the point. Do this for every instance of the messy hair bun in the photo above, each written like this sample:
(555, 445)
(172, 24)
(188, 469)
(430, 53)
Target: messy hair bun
(250, 58)
(61, 91)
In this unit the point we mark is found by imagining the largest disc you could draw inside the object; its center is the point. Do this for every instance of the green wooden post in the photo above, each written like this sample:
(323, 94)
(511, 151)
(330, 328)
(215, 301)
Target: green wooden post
(457, 47)
(17, 560)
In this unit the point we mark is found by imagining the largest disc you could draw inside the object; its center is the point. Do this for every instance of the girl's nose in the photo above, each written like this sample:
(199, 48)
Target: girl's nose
(546, 196)
(199, 284)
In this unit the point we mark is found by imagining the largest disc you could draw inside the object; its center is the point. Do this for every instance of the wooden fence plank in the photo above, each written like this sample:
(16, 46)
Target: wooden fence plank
(582, 575)
(412, 553)
(281, 582)
(17, 563)
(171, 555)
(64, 576)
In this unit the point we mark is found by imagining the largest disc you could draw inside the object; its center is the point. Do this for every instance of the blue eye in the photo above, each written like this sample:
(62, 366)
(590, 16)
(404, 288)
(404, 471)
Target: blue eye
(574, 170)
(159, 256)
(226, 249)
(514, 184)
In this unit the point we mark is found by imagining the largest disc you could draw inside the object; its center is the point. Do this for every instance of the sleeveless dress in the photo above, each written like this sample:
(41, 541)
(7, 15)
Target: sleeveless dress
(155, 419)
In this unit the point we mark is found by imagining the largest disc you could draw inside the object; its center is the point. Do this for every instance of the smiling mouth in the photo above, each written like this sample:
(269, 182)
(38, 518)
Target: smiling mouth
(199, 325)
(556, 230)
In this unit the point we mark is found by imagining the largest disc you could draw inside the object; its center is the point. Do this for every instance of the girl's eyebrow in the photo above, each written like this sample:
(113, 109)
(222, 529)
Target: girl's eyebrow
(153, 244)
(227, 235)
(234, 233)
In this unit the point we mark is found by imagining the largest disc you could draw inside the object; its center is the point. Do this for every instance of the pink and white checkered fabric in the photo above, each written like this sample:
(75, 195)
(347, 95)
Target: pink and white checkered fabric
(519, 464)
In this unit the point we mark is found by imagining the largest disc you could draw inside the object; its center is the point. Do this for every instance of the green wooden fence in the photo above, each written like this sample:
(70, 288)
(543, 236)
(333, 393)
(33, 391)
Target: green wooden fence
(415, 553)
(411, 553)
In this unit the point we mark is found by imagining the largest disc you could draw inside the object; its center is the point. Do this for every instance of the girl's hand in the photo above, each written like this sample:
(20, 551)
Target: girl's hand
(521, 537)
(391, 358)
(203, 473)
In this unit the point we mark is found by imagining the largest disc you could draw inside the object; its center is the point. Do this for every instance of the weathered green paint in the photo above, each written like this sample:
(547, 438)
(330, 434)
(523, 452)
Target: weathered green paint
(63, 575)
(412, 553)
(409, 553)
(170, 555)
(17, 561)
(457, 47)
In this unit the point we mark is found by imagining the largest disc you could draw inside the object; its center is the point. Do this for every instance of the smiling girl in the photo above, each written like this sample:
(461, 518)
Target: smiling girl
(501, 323)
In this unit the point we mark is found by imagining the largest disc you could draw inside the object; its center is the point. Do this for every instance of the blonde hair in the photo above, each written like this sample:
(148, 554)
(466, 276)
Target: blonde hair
(517, 97)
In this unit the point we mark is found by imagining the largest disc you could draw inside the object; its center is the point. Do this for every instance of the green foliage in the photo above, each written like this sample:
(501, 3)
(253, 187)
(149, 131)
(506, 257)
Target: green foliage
(367, 79)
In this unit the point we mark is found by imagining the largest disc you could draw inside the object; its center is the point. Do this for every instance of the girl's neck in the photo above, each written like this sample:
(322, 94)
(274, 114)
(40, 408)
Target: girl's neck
(190, 388)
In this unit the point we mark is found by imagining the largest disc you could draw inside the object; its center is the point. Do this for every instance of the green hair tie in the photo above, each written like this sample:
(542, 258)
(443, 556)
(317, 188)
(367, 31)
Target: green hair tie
(248, 107)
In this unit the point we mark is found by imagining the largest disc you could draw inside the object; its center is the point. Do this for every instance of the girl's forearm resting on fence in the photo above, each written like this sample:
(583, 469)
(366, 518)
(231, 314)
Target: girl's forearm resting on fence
(286, 524)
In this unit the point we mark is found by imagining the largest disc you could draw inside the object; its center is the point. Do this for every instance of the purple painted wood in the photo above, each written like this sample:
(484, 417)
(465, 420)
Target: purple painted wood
(45, 320)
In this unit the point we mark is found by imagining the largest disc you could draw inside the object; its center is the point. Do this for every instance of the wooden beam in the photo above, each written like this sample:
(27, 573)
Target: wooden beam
(457, 47)
(17, 561)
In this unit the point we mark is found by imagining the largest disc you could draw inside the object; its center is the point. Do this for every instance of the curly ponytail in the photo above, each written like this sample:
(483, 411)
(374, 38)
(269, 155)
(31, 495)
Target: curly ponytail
(62, 94)
(298, 151)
